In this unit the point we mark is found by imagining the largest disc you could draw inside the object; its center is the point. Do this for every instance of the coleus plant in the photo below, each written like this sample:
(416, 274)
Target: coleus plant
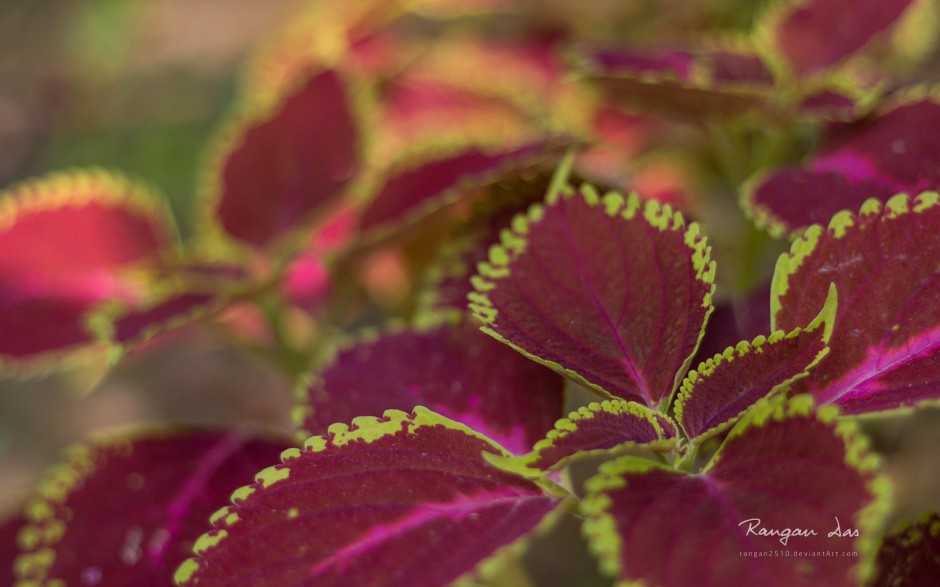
(432, 445)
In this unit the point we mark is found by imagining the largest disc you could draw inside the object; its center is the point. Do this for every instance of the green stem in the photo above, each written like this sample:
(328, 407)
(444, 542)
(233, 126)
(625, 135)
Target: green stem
(687, 462)
(561, 175)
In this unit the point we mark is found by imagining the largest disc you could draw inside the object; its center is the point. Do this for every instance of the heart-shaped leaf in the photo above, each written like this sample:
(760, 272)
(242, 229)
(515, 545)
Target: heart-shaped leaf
(598, 428)
(276, 168)
(786, 485)
(67, 242)
(127, 511)
(455, 370)
(812, 35)
(910, 554)
(885, 348)
(607, 290)
(894, 151)
(722, 389)
(399, 500)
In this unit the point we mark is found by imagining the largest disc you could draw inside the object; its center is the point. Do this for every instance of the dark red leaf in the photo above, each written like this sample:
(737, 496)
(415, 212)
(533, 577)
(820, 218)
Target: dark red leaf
(455, 370)
(279, 168)
(812, 35)
(596, 429)
(892, 152)
(399, 500)
(610, 291)
(411, 192)
(723, 388)
(910, 555)
(783, 469)
(885, 349)
(9, 547)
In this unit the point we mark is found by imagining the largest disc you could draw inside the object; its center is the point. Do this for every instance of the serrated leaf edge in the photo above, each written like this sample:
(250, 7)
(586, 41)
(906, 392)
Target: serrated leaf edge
(522, 465)
(513, 243)
(764, 218)
(366, 429)
(872, 210)
(825, 319)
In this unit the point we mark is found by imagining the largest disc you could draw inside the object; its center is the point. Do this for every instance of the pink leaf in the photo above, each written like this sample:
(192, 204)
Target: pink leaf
(67, 242)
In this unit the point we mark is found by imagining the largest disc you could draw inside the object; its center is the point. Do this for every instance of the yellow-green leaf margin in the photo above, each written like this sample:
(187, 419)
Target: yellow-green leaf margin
(825, 319)
(788, 263)
(522, 465)
(513, 243)
(600, 527)
(365, 429)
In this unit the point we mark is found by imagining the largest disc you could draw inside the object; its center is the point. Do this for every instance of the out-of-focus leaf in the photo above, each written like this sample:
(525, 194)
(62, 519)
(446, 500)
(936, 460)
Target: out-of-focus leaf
(704, 82)
(910, 555)
(894, 151)
(9, 547)
(68, 242)
(127, 511)
(809, 36)
(414, 190)
(278, 167)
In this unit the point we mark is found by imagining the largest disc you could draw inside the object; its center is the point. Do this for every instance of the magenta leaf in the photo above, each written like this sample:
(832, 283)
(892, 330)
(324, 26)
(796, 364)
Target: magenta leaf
(307, 281)
(813, 35)
(894, 151)
(127, 511)
(783, 470)
(598, 428)
(885, 348)
(722, 389)
(277, 168)
(68, 242)
(398, 500)
(411, 192)
(457, 371)
(910, 555)
(610, 291)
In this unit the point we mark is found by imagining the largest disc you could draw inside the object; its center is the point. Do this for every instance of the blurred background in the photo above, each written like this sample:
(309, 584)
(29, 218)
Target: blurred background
(139, 87)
